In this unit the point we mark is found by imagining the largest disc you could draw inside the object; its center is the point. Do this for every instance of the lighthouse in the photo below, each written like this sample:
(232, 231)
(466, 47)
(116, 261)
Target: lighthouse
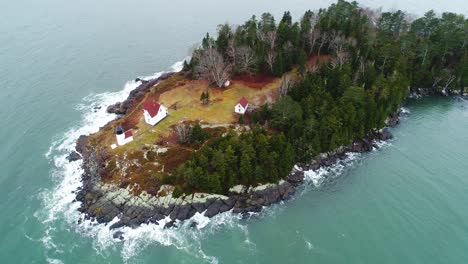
(123, 137)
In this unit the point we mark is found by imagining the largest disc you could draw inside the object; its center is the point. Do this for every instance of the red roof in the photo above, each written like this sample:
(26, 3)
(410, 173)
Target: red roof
(151, 107)
(128, 133)
(243, 102)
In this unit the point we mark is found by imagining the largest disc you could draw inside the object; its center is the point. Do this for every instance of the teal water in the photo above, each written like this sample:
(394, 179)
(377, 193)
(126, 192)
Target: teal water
(405, 203)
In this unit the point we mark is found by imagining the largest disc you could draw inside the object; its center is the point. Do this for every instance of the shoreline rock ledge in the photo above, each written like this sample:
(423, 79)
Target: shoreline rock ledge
(103, 202)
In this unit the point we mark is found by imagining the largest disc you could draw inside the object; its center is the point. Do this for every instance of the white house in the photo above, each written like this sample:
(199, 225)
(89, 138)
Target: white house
(241, 106)
(123, 137)
(154, 112)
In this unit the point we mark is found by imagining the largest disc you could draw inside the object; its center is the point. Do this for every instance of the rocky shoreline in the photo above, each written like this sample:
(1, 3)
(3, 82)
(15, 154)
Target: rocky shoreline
(103, 202)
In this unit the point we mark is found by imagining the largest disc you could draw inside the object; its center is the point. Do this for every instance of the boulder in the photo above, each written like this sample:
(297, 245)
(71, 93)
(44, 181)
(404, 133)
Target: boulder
(199, 207)
(81, 144)
(169, 224)
(74, 156)
(118, 235)
(117, 109)
(385, 134)
(182, 213)
(296, 178)
(286, 190)
(213, 208)
(393, 120)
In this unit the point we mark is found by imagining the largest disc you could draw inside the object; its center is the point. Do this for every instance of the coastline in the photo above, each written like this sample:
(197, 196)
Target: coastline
(106, 202)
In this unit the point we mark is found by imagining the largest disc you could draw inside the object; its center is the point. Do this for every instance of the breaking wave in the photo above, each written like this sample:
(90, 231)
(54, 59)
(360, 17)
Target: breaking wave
(60, 205)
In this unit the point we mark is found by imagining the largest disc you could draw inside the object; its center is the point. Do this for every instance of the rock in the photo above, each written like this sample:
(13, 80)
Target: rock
(140, 80)
(118, 235)
(393, 120)
(74, 156)
(124, 183)
(156, 217)
(230, 202)
(117, 109)
(134, 223)
(288, 191)
(385, 134)
(213, 208)
(360, 146)
(199, 207)
(296, 178)
(165, 75)
(184, 212)
(118, 224)
(81, 144)
(169, 224)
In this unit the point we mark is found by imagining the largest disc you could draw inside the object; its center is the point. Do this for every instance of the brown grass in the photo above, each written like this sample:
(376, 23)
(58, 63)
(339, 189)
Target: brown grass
(182, 97)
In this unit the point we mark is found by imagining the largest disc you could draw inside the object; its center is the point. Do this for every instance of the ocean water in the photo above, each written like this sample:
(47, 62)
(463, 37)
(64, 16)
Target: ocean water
(62, 63)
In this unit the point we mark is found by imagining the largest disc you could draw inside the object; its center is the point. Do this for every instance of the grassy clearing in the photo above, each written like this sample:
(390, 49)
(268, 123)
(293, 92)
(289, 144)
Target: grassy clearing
(182, 97)
(184, 104)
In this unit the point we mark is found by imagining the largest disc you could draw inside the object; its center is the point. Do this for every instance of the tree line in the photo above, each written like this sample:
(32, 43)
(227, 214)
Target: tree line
(374, 58)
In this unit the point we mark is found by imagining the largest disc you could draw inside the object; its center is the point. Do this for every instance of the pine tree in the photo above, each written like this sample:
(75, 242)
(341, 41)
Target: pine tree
(241, 119)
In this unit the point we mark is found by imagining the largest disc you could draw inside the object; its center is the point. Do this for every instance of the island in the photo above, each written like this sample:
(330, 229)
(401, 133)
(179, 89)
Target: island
(260, 104)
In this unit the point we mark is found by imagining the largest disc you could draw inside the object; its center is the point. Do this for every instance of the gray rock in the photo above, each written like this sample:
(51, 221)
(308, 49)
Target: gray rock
(73, 156)
(296, 178)
(213, 208)
(81, 144)
(385, 134)
(199, 207)
(118, 235)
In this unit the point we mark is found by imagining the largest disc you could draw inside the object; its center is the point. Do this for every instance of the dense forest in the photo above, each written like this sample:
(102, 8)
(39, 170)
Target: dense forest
(372, 59)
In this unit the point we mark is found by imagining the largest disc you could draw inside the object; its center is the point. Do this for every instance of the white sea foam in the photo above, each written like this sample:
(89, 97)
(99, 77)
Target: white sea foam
(318, 176)
(404, 110)
(54, 261)
(382, 143)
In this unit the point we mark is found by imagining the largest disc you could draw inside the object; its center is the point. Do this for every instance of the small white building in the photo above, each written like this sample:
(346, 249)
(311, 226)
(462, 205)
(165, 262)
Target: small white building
(154, 112)
(241, 106)
(123, 137)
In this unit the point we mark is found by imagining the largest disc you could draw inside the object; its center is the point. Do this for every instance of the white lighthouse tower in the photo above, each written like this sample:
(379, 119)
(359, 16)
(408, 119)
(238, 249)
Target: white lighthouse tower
(123, 137)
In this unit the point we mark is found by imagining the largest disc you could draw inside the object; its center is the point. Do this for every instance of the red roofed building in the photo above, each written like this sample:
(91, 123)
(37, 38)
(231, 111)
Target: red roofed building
(128, 134)
(241, 106)
(123, 137)
(153, 112)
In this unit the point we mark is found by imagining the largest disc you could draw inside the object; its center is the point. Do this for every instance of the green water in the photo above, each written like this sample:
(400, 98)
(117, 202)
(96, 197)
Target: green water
(405, 203)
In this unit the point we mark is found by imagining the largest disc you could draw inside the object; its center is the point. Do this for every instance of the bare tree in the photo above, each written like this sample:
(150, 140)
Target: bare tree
(313, 37)
(286, 84)
(373, 14)
(436, 81)
(322, 41)
(270, 59)
(232, 51)
(245, 59)
(183, 132)
(212, 67)
(337, 41)
(450, 79)
(361, 69)
(269, 38)
(340, 59)
(313, 68)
